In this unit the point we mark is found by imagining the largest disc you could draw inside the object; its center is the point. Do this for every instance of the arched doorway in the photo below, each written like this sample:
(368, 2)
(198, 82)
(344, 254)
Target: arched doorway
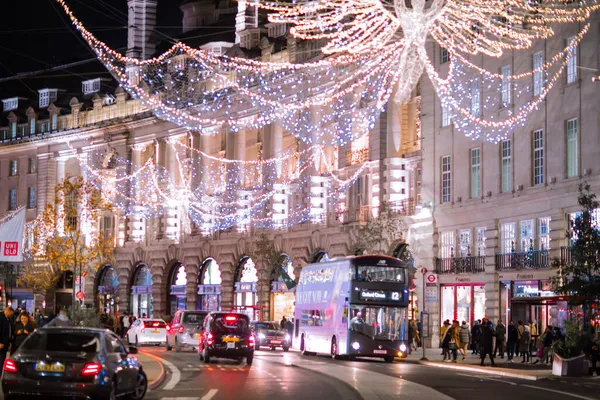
(283, 289)
(320, 256)
(64, 291)
(209, 286)
(142, 302)
(108, 285)
(177, 288)
(245, 289)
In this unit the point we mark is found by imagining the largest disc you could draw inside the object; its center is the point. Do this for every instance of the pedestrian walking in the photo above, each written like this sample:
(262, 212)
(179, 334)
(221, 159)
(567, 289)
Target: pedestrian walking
(533, 333)
(5, 332)
(512, 340)
(443, 331)
(547, 340)
(524, 344)
(413, 330)
(283, 323)
(23, 328)
(465, 338)
(117, 324)
(520, 330)
(126, 324)
(500, 339)
(451, 341)
(487, 341)
(62, 320)
(475, 336)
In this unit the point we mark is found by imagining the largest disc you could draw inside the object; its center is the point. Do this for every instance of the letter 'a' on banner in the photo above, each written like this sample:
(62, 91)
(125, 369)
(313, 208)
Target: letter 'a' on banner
(11, 236)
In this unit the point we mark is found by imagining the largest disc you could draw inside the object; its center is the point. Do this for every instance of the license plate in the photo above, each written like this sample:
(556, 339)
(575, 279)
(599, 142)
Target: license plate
(276, 341)
(49, 367)
(154, 331)
(228, 339)
(231, 345)
(379, 351)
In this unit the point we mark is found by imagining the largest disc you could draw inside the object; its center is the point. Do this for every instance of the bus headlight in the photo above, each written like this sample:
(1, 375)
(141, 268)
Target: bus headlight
(356, 345)
(261, 336)
(403, 348)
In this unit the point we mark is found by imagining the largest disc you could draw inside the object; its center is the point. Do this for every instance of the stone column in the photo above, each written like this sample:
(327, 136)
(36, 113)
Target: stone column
(160, 292)
(135, 223)
(123, 291)
(191, 288)
(227, 289)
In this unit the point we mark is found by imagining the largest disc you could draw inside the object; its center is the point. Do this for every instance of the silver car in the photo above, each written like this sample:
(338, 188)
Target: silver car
(184, 332)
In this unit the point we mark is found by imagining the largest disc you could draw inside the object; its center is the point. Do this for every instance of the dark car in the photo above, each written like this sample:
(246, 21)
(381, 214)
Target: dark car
(269, 334)
(226, 335)
(77, 363)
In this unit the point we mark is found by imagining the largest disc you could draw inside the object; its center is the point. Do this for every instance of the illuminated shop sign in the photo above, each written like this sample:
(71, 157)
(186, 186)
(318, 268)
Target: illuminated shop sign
(380, 295)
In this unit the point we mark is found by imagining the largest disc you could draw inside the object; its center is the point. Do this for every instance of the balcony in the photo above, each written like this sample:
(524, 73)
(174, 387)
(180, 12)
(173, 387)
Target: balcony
(357, 157)
(566, 255)
(533, 259)
(460, 265)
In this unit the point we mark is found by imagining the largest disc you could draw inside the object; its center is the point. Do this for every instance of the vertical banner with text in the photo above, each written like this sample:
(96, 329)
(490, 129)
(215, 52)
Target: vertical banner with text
(11, 236)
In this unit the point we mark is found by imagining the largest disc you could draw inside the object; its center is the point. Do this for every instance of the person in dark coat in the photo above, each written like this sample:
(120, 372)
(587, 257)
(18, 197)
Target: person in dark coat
(475, 336)
(23, 328)
(5, 332)
(512, 340)
(487, 341)
(500, 339)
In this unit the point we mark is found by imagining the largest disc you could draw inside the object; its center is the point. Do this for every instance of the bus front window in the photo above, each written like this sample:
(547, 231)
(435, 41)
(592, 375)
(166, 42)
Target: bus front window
(378, 323)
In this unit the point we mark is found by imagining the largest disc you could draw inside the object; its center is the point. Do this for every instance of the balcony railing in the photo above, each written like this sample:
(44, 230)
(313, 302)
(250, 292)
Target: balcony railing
(533, 259)
(566, 255)
(459, 265)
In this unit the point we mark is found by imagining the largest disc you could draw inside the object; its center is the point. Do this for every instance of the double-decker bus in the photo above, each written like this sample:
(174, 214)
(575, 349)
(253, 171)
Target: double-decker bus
(353, 307)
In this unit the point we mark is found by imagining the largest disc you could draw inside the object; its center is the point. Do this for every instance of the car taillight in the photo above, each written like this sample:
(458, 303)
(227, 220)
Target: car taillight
(156, 324)
(91, 369)
(10, 365)
(209, 339)
(251, 341)
(230, 318)
(181, 328)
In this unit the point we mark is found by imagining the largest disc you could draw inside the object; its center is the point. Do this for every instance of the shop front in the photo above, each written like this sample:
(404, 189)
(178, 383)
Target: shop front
(142, 303)
(245, 298)
(177, 289)
(209, 286)
(283, 301)
(107, 290)
(20, 299)
(464, 301)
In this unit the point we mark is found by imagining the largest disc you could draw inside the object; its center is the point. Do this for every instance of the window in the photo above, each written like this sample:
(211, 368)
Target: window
(506, 98)
(475, 98)
(107, 226)
(54, 122)
(538, 157)
(572, 148)
(14, 168)
(572, 60)
(527, 235)
(312, 318)
(10, 104)
(32, 126)
(446, 180)
(47, 96)
(31, 197)
(90, 86)
(544, 233)
(445, 56)
(12, 199)
(464, 243)
(508, 235)
(32, 167)
(480, 241)
(447, 247)
(475, 173)
(13, 130)
(538, 75)
(506, 166)
(446, 118)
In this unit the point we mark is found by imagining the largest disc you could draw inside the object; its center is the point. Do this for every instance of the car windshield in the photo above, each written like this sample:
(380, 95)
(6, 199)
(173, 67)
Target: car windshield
(267, 325)
(193, 318)
(231, 324)
(71, 342)
(381, 323)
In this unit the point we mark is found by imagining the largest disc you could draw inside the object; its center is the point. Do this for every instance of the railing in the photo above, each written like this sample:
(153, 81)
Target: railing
(533, 259)
(459, 265)
(566, 255)
(357, 156)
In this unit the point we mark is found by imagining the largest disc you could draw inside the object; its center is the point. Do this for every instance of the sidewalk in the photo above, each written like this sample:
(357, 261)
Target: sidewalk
(516, 369)
(155, 371)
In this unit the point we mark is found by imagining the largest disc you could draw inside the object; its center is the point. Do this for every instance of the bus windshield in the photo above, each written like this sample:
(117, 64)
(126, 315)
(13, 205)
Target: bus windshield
(378, 323)
(380, 274)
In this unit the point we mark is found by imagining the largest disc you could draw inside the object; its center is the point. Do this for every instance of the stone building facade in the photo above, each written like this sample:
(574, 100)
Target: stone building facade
(159, 265)
(500, 211)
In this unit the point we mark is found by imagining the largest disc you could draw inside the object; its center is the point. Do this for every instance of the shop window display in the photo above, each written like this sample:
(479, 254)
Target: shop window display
(463, 302)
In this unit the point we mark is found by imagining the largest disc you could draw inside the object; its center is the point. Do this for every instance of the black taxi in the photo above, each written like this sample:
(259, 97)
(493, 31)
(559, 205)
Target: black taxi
(226, 335)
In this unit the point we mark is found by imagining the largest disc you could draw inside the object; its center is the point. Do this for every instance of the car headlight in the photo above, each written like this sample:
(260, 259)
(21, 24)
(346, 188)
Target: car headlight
(287, 338)
(403, 347)
(261, 335)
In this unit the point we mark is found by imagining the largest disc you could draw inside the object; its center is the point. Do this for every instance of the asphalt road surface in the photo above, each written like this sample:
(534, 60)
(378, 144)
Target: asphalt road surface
(269, 377)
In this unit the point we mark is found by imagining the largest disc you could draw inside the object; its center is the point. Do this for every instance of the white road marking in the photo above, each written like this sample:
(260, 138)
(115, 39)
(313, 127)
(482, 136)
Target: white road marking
(489, 379)
(558, 391)
(175, 374)
(211, 393)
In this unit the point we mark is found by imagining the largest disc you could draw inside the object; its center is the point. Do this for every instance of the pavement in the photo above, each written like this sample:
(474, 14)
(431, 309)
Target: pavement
(516, 369)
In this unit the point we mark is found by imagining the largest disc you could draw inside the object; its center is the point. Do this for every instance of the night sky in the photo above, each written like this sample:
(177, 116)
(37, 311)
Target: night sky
(35, 34)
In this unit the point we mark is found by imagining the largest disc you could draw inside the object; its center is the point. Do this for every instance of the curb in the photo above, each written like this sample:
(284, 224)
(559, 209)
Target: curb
(153, 385)
(489, 371)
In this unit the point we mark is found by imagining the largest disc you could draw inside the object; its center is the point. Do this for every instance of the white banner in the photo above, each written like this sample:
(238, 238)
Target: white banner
(11, 236)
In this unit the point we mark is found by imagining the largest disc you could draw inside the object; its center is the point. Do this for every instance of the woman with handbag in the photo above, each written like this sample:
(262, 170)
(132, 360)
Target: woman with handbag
(451, 341)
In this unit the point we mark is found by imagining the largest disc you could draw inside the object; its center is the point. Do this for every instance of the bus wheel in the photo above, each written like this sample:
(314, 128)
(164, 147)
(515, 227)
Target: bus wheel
(389, 359)
(334, 349)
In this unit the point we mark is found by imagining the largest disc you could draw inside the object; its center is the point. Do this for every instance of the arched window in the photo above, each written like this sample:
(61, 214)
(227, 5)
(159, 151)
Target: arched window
(212, 273)
(248, 273)
(177, 288)
(142, 302)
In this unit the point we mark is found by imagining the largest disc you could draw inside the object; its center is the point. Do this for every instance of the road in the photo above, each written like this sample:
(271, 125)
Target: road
(269, 377)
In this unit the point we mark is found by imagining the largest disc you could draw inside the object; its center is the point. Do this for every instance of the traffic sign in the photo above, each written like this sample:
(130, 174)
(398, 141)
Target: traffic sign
(80, 295)
(431, 278)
